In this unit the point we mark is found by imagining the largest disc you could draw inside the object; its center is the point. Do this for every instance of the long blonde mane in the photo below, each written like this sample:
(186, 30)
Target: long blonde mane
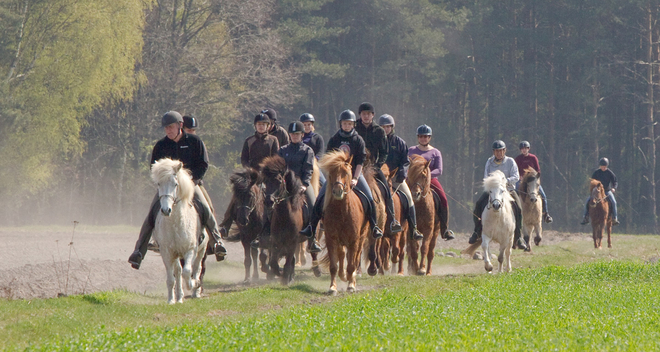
(494, 180)
(331, 163)
(162, 169)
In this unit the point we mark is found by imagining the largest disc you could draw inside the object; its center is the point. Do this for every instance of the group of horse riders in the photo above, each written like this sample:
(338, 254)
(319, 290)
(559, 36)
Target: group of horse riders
(299, 145)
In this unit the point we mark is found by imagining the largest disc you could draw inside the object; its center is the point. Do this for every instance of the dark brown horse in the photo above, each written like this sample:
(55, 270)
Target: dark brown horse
(393, 244)
(419, 181)
(247, 205)
(599, 212)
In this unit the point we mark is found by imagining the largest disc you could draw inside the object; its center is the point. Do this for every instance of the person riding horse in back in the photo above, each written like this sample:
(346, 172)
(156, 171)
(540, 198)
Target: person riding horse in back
(350, 142)
(397, 158)
(255, 149)
(525, 160)
(299, 158)
(189, 149)
(276, 130)
(375, 141)
(608, 179)
(428, 152)
(190, 124)
(499, 161)
(313, 139)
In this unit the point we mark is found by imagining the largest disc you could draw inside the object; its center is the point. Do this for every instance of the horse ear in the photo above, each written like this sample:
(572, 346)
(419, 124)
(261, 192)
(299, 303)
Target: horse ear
(350, 160)
(393, 172)
(178, 167)
(428, 162)
(254, 175)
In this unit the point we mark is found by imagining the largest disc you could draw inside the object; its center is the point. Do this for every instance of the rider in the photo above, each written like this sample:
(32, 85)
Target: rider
(310, 137)
(424, 149)
(255, 149)
(499, 161)
(276, 130)
(190, 124)
(525, 160)
(397, 158)
(299, 158)
(608, 179)
(349, 141)
(375, 141)
(190, 150)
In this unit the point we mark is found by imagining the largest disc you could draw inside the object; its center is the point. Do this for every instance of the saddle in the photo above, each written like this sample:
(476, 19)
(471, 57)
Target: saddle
(436, 201)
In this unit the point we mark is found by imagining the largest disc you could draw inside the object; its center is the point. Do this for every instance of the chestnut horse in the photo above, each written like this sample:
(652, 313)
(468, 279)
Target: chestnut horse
(393, 244)
(247, 205)
(599, 212)
(428, 223)
(532, 208)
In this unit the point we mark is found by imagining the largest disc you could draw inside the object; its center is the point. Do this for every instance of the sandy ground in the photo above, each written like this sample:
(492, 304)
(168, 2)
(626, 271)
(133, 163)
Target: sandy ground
(45, 264)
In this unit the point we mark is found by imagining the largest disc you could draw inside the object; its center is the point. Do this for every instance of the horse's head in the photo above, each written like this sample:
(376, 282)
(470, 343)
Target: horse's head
(597, 193)
(495, 186)
(337, 165)
(174, 183)
(246, 194)
(419, 177)
(530, 184)
(274, 170)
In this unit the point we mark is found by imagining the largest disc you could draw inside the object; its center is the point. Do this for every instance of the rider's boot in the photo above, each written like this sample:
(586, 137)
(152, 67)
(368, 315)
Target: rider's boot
(218, 247)
(476, 235)
(615, 221)
(547, 218)
(317, 210)
(412, 218)
(585, 220)
(135, 259)
(313, 245)
(395, 225)
(448, 235)
(262, 238)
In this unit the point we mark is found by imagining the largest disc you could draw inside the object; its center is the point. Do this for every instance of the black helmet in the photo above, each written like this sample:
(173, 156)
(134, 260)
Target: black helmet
(523, 144)
(604, 162)
(347, 115)
(296, 126)
(171, 117)
(307, 117)
(424, 130)
(498, 144)
(366, 107)
(386, 120)
(190, 122)
(261, 118)
(271, 113)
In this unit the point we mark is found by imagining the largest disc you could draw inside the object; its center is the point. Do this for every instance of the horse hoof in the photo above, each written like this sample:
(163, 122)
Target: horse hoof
(421, 272)
(351, 290)
(317, 271)
(537, 240)
(332, 292)
(428, 273)
(489, 268)
(372, 272)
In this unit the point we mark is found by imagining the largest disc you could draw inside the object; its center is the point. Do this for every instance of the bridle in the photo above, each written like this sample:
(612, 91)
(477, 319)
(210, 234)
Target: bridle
(281, 194)
(597, 200)
(173, 198)
(423, 188)
(491, 200)
(345, 188)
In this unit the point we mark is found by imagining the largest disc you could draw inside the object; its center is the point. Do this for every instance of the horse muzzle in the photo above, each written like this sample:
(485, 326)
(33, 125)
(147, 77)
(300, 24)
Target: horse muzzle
(166, 211)
(496, 204)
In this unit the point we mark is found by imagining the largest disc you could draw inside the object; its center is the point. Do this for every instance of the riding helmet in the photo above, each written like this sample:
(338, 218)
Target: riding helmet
(386, 120)
(261, 118)
(190, 122)
(499, 144)
(347, 115)
(424, 130)
(306, 117)
(271, 113)
(366, 107)
(296, 126)
(171, 117)
(523, 144)
(604, 162)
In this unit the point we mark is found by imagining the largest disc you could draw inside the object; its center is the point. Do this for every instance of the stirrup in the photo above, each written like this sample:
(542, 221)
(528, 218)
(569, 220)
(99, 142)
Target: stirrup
(448, 235)
(522, 244)
(585, 221)
(615, 222)
(376, 232)
(395, 226)
(313, 248)
(307, 231)
(416, 235)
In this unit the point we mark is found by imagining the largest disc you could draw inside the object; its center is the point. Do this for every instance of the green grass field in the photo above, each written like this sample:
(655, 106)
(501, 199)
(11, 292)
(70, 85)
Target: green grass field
(595, 300)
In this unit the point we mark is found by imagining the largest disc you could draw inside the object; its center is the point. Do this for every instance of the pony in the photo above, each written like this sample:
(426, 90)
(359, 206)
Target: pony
(393, 244)
(346, 224)
(285, 202)
(532, 209)
(499, 222)
(599, 212)
(428, 223)
(247, 205)
(178, 229)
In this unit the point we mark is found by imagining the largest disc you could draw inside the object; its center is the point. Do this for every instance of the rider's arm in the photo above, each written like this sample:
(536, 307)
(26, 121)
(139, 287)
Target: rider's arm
(275, 147)
(307, 168)
(245, 154)
(514, 174)
(383, 147)
(358, 171)
(200, 161)
(615, 183)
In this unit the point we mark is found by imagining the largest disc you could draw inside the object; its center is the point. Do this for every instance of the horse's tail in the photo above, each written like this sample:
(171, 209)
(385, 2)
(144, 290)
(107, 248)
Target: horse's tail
(325, 261)
(315, 178)
(472, 248)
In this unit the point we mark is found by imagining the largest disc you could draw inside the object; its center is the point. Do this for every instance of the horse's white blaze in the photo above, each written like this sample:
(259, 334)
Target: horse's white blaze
(177, 234)
(498, 225)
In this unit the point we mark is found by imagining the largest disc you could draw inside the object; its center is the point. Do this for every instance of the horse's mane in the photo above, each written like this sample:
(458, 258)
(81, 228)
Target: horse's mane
(417, 164)
(333, 160)
(243, 180)
(162, 169)
(275, 165)
(593, 183)
(494, 180)
(529, 175)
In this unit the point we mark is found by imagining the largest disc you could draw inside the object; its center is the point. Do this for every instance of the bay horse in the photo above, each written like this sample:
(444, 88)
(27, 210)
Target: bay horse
(178, 229)
(599, 212)
(532, 208)
(499, 222)
(428, 223)
(393, 244)
(346, 224)
(247, 207)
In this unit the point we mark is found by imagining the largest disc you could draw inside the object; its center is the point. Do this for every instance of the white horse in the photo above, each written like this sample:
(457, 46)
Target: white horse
(498, 219)
(178, 229)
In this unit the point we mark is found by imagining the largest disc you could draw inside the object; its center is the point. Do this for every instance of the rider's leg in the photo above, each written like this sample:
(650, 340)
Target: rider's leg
(585, 220)
(479, 207)
(316, 214)
(321, 179)
(145, 234)
(517, 210)
(544, 201)
(312, 244)
(615, 218)
(443, 209)
(208, 221)
(412, 215)
(228, 220)
(364, 187)
(395, 226)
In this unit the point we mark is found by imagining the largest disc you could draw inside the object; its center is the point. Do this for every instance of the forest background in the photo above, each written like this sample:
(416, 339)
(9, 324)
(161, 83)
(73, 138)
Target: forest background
(84, 84)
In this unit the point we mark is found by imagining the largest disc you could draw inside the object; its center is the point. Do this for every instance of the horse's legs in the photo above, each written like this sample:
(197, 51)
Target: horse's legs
(385, 255)
(402, 252)
(507, 257)
(186, 272)
(263, 258)
(373, 257)
(332, 254)
(413, 256)
(353, 254)
(609, 234)
(178, 285)
(431, 252)
(247, 261)
(289, 267)
(485, 241)
(315, 264)
(341, 258)
(169, 275)
(196, 270)
(423, 253)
